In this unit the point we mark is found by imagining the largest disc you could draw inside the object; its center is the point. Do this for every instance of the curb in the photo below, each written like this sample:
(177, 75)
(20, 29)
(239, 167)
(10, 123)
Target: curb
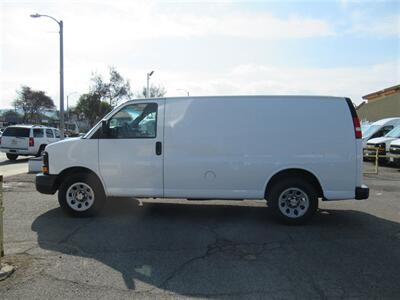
(5, 271)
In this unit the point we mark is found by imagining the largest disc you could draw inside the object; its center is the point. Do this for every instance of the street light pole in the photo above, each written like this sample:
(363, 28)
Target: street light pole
(60, 24)
(148, 85)
(68, 104)
(62, 122)
(186, 91)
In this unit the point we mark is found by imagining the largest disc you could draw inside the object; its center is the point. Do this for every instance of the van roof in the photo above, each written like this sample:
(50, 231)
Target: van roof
(282, 97)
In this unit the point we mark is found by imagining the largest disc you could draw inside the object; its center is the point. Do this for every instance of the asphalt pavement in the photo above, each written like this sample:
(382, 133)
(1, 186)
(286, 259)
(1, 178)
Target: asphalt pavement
(211, 249)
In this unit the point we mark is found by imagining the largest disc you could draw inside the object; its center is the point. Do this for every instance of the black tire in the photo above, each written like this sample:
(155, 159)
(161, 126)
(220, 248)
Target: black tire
(73, 180)
(12, 156)
(297, 186)
(41, 149)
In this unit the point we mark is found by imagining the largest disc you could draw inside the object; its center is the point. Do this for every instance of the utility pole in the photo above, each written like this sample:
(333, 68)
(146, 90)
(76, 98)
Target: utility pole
(186, 91)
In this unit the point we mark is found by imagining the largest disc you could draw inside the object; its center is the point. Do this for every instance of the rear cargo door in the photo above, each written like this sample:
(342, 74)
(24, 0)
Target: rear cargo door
(15, 138)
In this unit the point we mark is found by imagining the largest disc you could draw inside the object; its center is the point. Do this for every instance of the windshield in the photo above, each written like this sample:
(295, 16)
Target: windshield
(364, 128)
(394, 133)
(98, 124)
(371, 130)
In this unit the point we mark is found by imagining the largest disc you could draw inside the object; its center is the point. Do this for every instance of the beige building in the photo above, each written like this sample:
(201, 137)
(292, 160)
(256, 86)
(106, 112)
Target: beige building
(381, 104)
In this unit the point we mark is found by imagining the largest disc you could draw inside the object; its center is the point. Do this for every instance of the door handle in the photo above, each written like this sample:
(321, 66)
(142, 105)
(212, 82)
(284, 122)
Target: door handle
(158, 148)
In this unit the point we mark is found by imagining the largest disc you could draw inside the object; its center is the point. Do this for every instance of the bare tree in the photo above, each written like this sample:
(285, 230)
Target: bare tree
(32, 102)
(155, 92)
(92, 107)
(115, 90)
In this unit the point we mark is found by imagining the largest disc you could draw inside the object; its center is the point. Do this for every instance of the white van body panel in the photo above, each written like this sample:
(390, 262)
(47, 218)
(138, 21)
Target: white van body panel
(73, 152)
(228, 147)
(225, 148)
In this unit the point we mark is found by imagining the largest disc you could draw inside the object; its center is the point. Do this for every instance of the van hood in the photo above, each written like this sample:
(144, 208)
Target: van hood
(63, 143)
(381, 140)
(396, 142)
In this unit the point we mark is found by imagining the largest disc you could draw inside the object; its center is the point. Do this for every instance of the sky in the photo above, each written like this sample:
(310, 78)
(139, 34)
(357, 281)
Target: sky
(339, 48)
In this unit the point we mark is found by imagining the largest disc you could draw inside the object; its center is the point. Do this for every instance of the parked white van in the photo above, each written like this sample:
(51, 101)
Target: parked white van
(277, 148)
(379, 128)
(394, 151)
(27, 140)
(383, 143)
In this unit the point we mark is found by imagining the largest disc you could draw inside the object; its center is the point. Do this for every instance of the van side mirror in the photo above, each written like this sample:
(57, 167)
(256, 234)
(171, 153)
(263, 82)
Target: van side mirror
(104, 128)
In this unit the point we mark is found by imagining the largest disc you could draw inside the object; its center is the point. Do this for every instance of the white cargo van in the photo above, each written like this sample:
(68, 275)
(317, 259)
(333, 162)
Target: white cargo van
(383, 143)
(394, 151)
(379, 128)
(277, 148)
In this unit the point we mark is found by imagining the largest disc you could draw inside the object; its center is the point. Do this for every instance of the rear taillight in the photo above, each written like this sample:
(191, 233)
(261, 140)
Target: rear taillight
(31, 142)
(357, 128)
(356, 120)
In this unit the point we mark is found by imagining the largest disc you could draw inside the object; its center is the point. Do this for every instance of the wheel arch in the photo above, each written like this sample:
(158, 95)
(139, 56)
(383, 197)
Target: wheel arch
(76, 170)
(294, 173)
(40, 147)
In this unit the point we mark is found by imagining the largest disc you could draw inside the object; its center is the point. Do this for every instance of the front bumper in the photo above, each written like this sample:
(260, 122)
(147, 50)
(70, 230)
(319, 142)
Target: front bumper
(394, 158)
(362, 192)
(46, 184)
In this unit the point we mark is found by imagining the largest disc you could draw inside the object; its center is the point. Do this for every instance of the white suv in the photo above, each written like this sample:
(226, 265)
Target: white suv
(27, 140)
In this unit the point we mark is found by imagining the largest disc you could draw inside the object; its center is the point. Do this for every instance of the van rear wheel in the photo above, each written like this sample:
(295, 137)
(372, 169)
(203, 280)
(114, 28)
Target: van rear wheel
(293, 200)
(81, 195)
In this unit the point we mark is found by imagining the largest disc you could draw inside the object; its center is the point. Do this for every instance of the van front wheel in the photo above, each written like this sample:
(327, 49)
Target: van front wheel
(293, 200)
(81, 195)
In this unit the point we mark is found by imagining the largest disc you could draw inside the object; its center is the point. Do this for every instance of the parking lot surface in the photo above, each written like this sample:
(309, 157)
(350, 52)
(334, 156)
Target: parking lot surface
(350, 250)
(9, 168)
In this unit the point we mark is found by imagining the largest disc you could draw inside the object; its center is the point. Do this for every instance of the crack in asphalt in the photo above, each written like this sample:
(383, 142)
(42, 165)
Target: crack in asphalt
(154, 291)
(226, 247)
(221, 245)
(84, 284)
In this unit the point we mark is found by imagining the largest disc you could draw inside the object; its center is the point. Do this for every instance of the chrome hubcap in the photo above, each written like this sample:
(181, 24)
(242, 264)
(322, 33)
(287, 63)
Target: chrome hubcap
(293, 202)
(80, 196)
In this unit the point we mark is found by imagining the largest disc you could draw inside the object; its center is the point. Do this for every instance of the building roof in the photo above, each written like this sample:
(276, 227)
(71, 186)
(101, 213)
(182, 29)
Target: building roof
(384, 92)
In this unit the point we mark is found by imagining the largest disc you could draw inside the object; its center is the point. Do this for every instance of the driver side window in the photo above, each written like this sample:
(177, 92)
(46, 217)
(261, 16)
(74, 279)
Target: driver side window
(134, 121)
